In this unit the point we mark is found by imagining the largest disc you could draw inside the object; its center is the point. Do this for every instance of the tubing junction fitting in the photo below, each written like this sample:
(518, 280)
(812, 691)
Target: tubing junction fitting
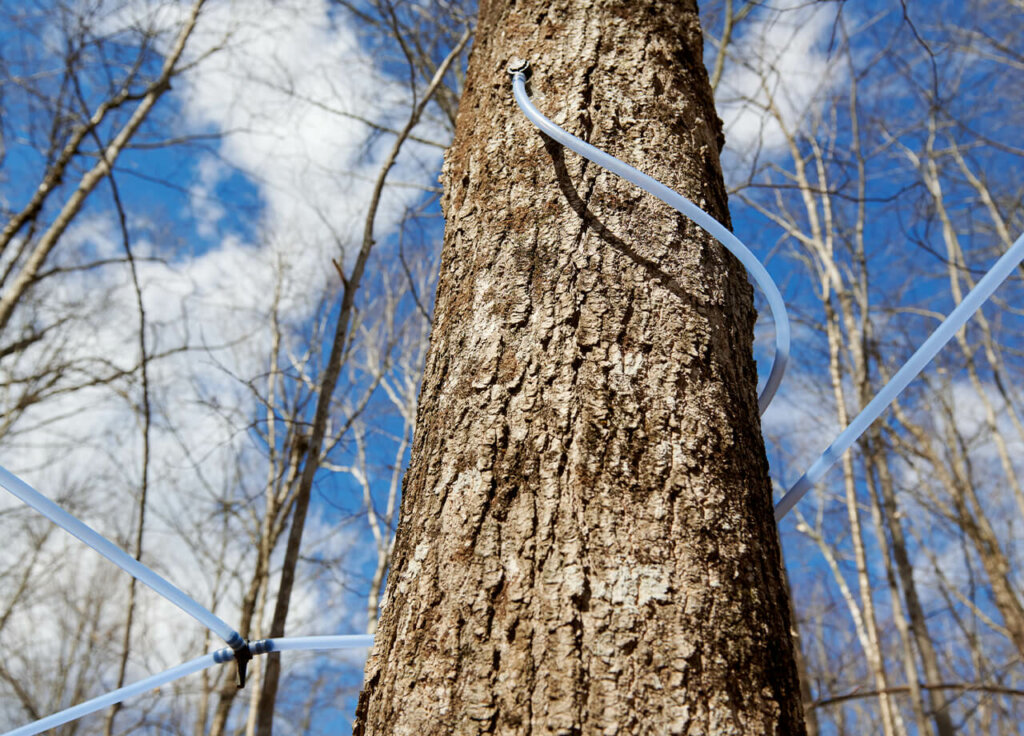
(238, 648)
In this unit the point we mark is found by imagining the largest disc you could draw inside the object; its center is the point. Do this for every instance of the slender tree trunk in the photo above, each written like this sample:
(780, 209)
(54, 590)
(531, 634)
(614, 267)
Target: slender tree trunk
(586, 541)
(806, 696)
(915, 611)
(328, 382)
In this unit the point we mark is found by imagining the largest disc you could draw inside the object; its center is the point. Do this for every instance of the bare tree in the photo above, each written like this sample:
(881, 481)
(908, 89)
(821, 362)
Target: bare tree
(586, 515)
(29, 252)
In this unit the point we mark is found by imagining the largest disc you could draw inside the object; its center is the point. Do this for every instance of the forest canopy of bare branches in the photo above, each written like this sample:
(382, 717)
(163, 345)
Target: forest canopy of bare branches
(219, 244)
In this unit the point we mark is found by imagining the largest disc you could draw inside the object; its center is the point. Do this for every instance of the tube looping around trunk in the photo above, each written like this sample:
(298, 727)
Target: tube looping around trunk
(519, 71)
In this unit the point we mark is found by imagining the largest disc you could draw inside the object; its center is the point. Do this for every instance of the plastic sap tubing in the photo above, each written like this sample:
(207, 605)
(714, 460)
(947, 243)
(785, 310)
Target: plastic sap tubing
(921, 357)
(684, 206)
(118, 556)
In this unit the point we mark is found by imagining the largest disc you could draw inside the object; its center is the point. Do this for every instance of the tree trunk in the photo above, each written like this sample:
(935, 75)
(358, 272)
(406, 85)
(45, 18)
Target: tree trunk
(586, 542)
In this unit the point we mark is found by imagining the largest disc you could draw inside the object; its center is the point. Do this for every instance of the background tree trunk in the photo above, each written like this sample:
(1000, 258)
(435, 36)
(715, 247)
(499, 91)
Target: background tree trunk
(586, 541)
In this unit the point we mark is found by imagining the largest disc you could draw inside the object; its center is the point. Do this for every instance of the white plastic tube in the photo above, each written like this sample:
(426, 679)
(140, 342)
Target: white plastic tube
(942, 334)
(320, 643)
(119, 557)
(116, 696)
(684, 206)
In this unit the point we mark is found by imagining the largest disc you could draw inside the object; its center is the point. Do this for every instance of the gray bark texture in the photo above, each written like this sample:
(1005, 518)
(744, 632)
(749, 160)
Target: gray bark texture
(586, 543)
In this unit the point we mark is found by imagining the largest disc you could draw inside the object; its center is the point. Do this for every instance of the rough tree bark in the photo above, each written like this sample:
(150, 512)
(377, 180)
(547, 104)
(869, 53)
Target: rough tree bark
(586, 542)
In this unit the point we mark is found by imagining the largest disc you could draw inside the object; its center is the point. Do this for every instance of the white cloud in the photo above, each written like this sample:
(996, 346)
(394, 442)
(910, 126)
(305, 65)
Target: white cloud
(207, 209)
(778, 69)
